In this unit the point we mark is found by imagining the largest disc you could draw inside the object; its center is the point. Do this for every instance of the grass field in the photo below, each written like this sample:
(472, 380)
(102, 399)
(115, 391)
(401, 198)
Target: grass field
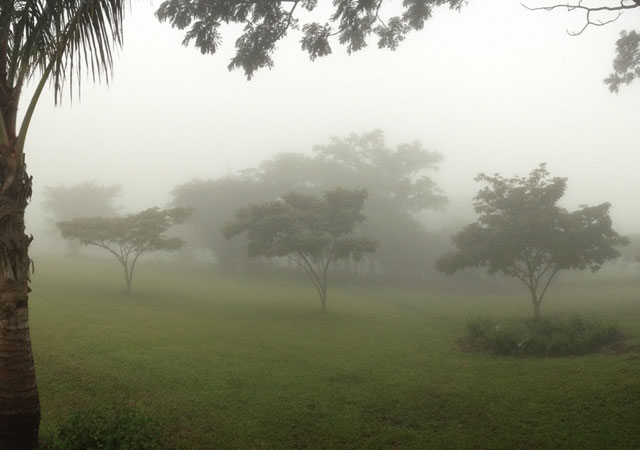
(230, 363)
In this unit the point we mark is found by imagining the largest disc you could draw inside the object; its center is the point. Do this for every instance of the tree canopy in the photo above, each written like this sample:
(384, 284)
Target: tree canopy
(397, 180)
(86, 199)
(524, 234)
(128, 237)
(313, 232)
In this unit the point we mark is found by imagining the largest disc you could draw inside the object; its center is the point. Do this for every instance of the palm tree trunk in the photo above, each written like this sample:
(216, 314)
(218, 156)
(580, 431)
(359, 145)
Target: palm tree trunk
(19, 402)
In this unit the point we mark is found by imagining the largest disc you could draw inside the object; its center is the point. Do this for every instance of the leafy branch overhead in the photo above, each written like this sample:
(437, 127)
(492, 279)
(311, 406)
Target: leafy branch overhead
(265, 22)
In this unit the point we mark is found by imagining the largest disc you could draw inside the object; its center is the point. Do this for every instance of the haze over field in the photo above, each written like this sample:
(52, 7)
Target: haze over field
(305, 259)
(494, 88)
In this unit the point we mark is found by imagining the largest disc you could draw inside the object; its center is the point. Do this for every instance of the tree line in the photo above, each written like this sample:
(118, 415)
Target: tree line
(355, 200)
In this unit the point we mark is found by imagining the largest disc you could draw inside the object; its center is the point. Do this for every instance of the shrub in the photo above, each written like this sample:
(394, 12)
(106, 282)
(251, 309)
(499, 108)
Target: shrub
(124, 428)
(544, 337)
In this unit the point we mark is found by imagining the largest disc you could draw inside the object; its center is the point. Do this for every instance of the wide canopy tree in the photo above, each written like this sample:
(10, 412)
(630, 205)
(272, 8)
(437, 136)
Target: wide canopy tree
(312, 232)
(523, 233)
(128, 237)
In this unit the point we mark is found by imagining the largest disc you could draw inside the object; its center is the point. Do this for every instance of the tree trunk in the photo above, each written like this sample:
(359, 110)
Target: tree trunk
(19, 402)
(323, 295)
(127, 276)
(536, 305)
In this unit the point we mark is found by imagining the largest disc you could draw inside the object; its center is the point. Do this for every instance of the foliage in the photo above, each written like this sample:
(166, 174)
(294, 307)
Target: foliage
(128, 237)
(213, 203)
(41, 42)
(522, 233)
(124, 428)
(545, 337)
(395, 176)
(626, 65)
(81, 200)
(396, 181)
(266, 22)
(310, 231)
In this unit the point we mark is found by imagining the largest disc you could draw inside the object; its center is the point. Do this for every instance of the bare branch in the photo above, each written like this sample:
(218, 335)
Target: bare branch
(588, 10)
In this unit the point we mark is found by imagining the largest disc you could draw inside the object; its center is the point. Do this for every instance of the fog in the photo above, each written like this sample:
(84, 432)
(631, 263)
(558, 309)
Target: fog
(493, 88)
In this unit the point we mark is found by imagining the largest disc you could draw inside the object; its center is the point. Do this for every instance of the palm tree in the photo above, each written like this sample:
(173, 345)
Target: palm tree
(41, 41)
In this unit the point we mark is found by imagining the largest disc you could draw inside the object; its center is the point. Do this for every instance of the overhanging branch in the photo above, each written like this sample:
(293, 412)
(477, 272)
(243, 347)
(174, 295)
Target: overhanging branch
(589, 10)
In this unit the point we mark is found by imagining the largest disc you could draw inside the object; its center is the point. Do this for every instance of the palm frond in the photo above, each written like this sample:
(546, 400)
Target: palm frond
(59, 39)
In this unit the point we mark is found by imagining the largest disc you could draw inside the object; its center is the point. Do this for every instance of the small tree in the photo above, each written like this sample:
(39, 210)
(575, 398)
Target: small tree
(522, 233)
(308, 230)
(129, 237)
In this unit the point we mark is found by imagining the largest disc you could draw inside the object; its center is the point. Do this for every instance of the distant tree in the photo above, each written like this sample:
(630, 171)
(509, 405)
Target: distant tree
(522, 233)
(213, 203)
(397, 183)
(626, 64)
(311, 231)
(396, 180)
(127, 237)
(397, 175)
(86, 199)
(399, 186)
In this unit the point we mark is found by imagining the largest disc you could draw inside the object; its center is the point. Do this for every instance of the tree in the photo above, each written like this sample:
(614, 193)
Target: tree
(397, 183)
(626, 64)
(128, 237)
(40, 41)
(398, 186)
(86, 199)
(80, 200)
(58, 41)
(396, 180)
(310, 231)
(522, 233)
(213, 203)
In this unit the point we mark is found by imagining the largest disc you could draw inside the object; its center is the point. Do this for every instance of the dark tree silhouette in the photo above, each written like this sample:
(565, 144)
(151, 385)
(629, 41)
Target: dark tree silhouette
(128, 237)
(311, 231)
(524, 234)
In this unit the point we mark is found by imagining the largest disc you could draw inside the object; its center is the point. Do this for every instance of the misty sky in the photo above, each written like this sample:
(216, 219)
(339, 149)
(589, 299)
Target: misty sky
(494, 88)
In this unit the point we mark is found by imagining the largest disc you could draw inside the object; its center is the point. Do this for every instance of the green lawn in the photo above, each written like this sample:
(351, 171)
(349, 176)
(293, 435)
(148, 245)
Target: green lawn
(230, 363)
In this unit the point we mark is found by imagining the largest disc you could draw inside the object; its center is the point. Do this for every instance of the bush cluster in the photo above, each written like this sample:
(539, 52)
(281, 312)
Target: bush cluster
(124, 428)
(542, 337)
